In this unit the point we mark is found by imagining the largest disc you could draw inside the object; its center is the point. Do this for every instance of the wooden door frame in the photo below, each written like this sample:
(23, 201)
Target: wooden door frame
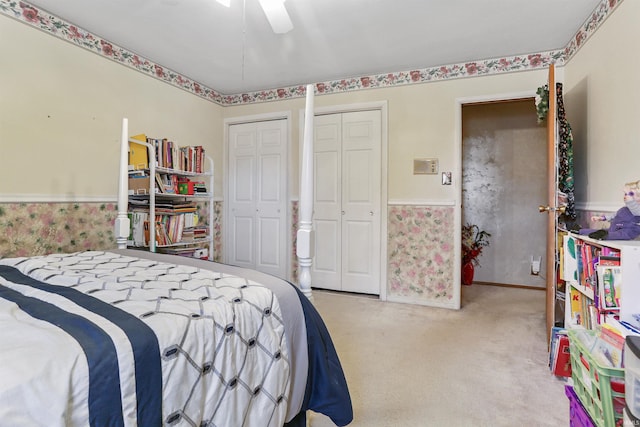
(457, 173)
(228, 122)
(381, 106)
(552, 202)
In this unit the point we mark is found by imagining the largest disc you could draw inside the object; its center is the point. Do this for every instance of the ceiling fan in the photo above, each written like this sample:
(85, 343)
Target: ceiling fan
(275, 12)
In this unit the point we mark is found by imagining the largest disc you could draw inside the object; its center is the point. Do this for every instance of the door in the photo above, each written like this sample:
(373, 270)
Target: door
(257, 196)
(347, 186)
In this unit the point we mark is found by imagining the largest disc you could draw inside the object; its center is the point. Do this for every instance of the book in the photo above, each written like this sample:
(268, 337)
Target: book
(576, 306)
(561, 361)
(159, 184)
(570, 270)
(138, 219)
(608, 260)
(587, 272)
(607, 353)
(612, 335)
(609, 286)
(553, 341)
(138, 153)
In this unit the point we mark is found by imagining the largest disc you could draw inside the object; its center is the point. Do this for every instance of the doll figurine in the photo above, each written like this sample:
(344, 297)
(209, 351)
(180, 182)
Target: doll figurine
(625, 224)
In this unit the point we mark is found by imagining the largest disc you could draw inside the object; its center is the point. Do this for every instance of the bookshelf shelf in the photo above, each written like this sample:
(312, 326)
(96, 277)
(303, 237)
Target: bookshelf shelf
(163, 196)
(591, 269)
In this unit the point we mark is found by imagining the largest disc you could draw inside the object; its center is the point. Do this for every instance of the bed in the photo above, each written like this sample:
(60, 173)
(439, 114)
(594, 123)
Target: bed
(136, 338)
(126, 337)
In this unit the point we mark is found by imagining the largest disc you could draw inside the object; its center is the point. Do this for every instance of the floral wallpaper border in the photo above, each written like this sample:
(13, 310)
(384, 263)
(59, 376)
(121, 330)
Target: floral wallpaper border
(31, 15)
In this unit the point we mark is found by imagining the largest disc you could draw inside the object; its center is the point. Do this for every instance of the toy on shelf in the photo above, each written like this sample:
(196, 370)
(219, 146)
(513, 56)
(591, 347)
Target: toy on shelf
(625, 224)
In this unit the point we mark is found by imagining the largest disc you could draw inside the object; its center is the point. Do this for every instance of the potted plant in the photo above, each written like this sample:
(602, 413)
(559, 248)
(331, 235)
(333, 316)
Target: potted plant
(474, 241)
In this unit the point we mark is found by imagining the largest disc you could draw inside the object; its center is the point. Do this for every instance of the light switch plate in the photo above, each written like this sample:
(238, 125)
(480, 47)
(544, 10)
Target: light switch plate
(446, 178)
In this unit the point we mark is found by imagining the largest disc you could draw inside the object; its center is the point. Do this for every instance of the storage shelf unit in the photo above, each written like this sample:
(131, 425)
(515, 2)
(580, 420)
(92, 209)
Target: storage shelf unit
(151, 197)
(602, 305)
(629, 302)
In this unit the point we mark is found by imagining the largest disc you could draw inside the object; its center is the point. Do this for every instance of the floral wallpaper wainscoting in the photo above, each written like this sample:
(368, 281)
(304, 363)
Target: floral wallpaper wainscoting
(28, 229)
(217, 231)
(420, 254)
(295, 211)
(203, 212)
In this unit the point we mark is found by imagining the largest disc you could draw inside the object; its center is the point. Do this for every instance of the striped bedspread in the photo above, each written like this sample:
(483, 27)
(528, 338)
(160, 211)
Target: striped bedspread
(107, 339)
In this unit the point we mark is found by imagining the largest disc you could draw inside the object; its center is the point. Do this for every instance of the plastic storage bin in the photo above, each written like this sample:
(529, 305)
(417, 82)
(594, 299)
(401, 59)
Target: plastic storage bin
(601, 389)
(578, 416)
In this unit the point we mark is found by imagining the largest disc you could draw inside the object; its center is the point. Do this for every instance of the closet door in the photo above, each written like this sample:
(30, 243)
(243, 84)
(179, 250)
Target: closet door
(271, 208)
(361, 143)
(347, 169)
(257, 236)
(242, 195)
(326, 270)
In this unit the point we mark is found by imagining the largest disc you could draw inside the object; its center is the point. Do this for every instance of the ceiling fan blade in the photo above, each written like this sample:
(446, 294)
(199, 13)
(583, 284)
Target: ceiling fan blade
(277, 15)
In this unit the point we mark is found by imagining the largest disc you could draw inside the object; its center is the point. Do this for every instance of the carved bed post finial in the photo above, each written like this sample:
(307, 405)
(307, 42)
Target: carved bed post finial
(305, 242)
(122, 220)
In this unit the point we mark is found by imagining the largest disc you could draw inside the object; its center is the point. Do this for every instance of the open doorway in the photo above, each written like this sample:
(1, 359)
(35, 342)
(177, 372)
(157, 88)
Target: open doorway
(504, 178)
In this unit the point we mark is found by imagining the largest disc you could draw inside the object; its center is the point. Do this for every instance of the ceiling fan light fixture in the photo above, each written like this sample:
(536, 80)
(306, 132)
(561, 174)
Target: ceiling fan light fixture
(277, 15)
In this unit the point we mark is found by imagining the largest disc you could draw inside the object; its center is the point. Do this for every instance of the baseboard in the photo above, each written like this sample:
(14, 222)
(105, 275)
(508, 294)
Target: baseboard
(509, 285)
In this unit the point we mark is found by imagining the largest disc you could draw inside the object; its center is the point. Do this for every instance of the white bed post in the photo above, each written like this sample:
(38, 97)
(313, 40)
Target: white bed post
(305, 243)
(122, 220)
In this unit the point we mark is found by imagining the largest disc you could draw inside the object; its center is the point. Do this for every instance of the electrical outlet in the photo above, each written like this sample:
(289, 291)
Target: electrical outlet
(535, 266)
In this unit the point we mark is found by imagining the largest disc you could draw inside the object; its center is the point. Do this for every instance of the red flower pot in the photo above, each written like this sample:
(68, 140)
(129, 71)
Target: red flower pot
(467, 273)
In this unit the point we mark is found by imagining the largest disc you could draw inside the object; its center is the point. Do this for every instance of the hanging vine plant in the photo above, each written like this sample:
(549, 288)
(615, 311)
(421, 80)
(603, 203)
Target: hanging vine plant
(542, 102)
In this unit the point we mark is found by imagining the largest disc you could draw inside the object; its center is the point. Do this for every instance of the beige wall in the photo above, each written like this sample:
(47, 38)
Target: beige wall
(61, 109)
(421, 123)
(602, 99)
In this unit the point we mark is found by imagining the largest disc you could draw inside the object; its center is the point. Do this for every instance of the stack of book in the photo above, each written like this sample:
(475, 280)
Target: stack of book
(594, 275)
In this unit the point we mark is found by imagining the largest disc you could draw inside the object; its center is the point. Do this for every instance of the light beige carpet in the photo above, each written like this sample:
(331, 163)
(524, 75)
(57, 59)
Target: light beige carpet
(410, 365)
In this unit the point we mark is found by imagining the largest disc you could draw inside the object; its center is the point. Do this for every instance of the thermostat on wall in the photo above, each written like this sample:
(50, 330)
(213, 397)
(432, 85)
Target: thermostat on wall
(425, 166)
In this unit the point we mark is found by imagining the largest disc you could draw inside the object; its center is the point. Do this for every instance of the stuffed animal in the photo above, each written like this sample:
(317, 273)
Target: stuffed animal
(632, 197)
(625, 224)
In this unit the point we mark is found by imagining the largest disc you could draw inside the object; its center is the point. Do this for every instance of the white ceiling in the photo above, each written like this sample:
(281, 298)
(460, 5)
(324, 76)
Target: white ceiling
(233, 50)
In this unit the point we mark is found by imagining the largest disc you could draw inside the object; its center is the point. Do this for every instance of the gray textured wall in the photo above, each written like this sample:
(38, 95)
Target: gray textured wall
(504, 159)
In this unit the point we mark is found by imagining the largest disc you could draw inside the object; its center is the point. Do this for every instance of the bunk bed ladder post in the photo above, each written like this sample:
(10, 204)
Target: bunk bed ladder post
(305, 242)
(122, 220)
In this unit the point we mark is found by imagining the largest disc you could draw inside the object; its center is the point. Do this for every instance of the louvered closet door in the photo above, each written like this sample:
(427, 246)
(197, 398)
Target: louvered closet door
(257, 197)
(347, 202)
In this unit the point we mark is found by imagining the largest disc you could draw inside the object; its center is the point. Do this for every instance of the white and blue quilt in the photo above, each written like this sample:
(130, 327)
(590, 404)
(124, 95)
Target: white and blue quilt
(128, 338)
